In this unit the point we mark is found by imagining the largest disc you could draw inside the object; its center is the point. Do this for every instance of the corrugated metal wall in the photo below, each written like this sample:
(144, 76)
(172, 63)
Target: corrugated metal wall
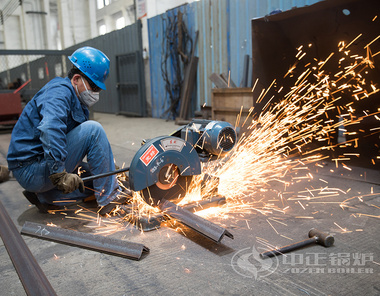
(224, 39)
(212, 19)
(157, 29)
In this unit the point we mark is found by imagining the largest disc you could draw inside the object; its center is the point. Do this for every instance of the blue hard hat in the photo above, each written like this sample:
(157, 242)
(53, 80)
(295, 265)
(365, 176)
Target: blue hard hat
(93, 63)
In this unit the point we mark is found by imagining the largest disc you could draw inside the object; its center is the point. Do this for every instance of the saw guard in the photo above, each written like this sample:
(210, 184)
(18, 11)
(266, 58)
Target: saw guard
(158, 152)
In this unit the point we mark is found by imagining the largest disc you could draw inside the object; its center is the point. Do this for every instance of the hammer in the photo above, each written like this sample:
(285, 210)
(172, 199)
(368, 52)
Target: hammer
(315, 237)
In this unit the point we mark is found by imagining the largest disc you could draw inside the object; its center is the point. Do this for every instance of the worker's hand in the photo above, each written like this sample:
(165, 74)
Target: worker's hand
(66, 182)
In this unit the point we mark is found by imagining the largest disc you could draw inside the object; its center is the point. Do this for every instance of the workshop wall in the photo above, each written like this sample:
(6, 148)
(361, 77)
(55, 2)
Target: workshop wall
(224, 39)
(164, 62)
(41, 66)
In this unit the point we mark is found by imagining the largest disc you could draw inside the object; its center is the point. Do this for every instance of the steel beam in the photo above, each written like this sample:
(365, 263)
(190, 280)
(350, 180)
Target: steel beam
(30, 273)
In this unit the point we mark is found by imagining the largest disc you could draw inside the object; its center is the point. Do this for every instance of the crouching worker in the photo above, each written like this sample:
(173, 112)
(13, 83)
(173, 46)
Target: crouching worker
(53, 135)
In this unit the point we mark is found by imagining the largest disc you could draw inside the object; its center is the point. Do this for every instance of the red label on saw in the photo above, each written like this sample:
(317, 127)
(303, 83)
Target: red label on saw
(149, 154)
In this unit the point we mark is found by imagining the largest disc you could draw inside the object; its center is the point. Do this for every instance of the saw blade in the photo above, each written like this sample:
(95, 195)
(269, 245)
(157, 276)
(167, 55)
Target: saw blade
(170, 186)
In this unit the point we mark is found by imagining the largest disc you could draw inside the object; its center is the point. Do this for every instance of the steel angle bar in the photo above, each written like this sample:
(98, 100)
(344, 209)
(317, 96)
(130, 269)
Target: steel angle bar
(199, 224)
(206, 203)
(30, 273)
(86, 240)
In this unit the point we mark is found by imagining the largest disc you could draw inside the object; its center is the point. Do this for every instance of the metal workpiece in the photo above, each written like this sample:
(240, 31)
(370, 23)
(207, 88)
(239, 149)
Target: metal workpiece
(199, 224)
(30, 273)
(153, 221)
(206, 203)
(99, 243)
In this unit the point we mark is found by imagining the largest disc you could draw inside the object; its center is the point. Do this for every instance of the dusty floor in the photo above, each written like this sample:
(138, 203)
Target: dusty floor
(186, 263)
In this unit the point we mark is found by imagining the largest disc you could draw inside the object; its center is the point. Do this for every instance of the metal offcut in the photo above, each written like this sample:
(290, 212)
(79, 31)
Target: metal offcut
(199, 224)
(86, 240)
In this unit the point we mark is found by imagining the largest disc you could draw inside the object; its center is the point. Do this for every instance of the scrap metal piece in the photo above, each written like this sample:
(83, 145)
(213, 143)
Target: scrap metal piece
(86, 240)
(199, 224)
(30, 273)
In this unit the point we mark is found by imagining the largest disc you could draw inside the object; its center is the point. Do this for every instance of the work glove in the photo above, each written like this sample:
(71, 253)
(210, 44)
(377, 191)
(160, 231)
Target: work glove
(67, 182)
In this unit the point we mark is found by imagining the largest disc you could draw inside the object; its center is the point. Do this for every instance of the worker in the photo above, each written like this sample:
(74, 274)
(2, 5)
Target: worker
(53, 135)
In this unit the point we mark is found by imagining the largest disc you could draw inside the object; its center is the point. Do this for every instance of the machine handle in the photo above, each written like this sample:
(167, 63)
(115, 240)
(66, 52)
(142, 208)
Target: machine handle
(91, 178)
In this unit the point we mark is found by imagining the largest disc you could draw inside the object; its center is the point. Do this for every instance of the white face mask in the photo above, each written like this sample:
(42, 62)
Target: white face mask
(87, 97)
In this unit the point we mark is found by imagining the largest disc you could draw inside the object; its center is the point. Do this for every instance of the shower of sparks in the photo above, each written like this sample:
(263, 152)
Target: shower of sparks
(273, 152)
(340, 227)
(274, 148)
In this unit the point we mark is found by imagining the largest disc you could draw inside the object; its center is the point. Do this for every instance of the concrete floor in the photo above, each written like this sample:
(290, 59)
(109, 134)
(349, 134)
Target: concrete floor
(186, 263)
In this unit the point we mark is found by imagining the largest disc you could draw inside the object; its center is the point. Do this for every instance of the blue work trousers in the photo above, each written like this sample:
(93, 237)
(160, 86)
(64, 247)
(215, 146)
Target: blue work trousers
(88, 139)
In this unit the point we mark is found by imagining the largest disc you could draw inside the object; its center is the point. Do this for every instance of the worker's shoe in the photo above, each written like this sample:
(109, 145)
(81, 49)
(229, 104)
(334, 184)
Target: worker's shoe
(43, 208)
(112, 206)
(4, 173)
(90, 198)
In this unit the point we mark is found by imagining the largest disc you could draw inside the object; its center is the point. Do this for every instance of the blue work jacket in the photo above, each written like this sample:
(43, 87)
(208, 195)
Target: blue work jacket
(40, 132)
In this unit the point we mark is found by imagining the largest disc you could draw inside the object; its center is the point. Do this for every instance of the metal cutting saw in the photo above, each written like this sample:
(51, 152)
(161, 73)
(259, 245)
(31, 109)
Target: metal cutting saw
(162, 169)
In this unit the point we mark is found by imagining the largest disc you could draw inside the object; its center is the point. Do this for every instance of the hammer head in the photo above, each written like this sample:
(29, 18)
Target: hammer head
(321, 238)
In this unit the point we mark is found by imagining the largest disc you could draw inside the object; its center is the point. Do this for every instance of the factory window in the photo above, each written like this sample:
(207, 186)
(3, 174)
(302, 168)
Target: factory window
(41, 73)
(102, 3)
(58, 69)
(120, 23)
(102, 28)
(1, 40)
(119, 20)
